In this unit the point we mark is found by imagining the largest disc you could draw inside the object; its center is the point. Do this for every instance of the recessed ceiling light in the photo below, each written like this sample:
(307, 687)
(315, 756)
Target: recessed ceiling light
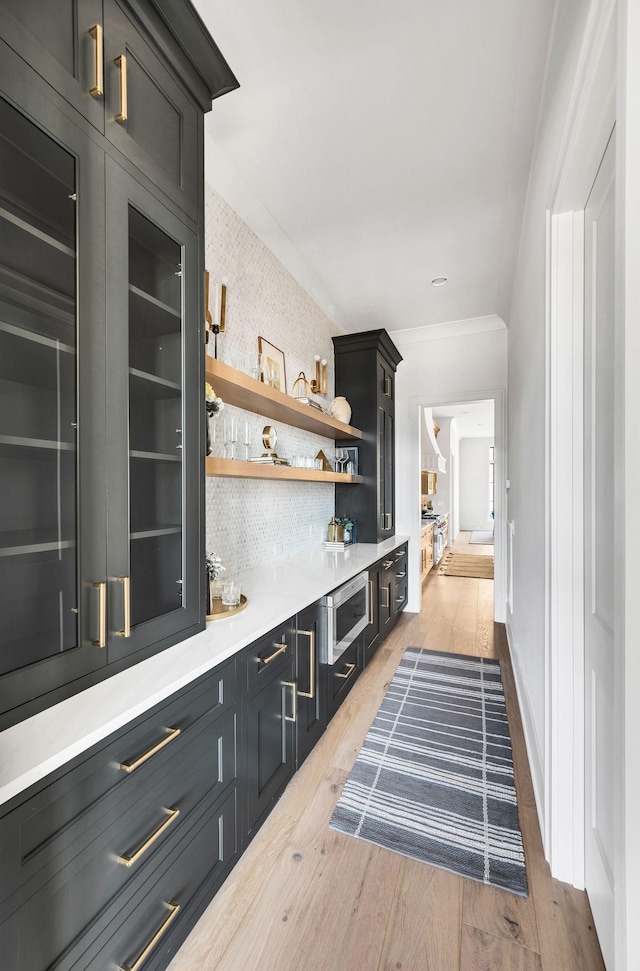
(439, 281)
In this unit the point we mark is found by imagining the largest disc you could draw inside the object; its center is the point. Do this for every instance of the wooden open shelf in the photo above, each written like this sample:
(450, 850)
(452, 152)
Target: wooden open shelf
(242, 390)
(238, 469)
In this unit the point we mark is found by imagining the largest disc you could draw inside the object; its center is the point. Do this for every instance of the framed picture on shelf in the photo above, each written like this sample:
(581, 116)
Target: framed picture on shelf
(273, 372)
(351, 466)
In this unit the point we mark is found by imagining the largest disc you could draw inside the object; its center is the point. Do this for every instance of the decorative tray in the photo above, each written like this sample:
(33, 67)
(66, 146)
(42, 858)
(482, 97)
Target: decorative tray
(221, 610)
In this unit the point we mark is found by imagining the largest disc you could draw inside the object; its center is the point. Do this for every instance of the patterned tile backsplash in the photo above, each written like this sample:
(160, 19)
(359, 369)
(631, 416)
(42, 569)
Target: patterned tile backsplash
(251, 522)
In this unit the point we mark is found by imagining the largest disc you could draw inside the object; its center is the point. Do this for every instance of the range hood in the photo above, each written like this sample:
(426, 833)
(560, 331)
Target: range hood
(431, 458)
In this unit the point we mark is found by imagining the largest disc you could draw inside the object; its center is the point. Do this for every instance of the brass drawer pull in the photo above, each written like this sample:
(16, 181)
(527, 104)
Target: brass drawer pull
(281, 648)
(347, 674)
(370, 617)
(121, 63)
(162, 930)
(97, 90)
(312, 664)
(126, 606)
(400, 575)
(399, 600)
(294, 717)
(129, 859)
(102, 614)
(131, 766)
(387, 564)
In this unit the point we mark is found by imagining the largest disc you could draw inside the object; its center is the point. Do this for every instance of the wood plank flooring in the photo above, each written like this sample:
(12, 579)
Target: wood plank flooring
(308, 898)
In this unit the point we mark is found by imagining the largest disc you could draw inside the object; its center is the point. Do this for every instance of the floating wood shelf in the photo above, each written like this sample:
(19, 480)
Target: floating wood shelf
(242, 390)
(238, 469)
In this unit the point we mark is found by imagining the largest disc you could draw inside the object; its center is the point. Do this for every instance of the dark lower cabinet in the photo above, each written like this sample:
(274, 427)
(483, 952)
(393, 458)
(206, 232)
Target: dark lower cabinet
(109, 862)
(311, 687)
(342, 675)
(372, 633)
(399, 598)
(386, 595)
(269, 722)
(96, 856)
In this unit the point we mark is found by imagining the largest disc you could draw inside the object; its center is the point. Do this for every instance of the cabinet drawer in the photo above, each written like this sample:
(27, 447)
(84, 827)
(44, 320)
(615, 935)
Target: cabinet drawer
(266, 656)
(135, 842)
(47, 831)
(196, 862)
(343, 675)
(195, 868)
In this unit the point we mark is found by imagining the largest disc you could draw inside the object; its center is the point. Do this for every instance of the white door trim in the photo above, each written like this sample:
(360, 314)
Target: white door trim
(589, 124)
(416, 404)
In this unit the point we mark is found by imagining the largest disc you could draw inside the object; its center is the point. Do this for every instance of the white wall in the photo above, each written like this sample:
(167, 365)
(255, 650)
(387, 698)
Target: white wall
(442, 498)
(453, 363)
(251, 522)
(473, 472)
(526, 625)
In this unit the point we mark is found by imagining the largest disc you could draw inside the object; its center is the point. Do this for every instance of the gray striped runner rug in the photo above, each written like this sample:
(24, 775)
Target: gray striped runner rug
(434, 777)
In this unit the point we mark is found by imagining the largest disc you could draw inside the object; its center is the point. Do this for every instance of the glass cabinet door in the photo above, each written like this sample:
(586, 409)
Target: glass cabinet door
(154, 529)
(40, 602)
(38, 463)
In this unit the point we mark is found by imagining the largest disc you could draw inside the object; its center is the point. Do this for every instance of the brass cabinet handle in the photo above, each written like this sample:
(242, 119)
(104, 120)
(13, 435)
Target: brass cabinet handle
(98, 88)
(312, 664)
(162, 930)
(281, 648)
(387, 516)
(102, 614)
(370, 617)
(121, 63)
(126, 606)
(131, 766)
(294, 717)
(128, 859)
(399, 600)
(347, 674)
(387, 387)
(385, 590)
(400, 575)
(387, 564)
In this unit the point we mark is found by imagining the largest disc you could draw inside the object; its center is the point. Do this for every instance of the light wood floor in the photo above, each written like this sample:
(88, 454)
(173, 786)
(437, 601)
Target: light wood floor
(307, 898)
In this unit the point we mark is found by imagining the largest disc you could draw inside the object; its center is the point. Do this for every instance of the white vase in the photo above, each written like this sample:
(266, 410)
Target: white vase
(340, 409)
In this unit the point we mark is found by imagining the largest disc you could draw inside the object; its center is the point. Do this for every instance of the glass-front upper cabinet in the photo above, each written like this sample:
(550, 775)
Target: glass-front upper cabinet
(154, 534)
(41, 588)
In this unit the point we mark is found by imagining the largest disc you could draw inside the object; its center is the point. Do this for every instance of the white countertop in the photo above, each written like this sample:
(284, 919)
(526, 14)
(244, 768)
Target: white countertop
(35, 747)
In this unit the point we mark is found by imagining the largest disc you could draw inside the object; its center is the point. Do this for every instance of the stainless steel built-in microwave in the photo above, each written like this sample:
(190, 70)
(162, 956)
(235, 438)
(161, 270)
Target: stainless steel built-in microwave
(347, 616)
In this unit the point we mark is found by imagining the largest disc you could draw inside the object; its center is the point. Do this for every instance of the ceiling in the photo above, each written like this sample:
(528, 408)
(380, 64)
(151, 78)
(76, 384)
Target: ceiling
(388, 142)
(474, 419)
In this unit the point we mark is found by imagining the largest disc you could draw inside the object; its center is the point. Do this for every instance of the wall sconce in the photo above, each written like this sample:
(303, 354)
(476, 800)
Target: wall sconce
(215, 323)
(319, 383)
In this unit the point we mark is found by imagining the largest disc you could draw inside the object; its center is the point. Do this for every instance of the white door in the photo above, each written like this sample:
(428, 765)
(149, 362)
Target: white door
(599, 552)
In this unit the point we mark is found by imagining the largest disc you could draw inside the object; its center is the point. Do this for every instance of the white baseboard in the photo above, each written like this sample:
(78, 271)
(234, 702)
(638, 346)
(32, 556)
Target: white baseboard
(536, 762)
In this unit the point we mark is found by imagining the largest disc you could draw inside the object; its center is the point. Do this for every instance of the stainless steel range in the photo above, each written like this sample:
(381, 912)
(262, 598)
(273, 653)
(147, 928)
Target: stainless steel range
(439, 532)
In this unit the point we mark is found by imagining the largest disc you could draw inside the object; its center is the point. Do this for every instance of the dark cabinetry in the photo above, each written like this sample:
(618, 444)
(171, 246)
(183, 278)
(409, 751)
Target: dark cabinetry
(365, 366)
(388, 584)
(270, 721)
(100, 360)
(343, 675)
(108, 60)
(372, 632)
(312, 700)
(99, 856)
(399, 579)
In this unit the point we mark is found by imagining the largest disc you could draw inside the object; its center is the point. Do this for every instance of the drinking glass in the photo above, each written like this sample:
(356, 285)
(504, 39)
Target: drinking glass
(230, 593)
